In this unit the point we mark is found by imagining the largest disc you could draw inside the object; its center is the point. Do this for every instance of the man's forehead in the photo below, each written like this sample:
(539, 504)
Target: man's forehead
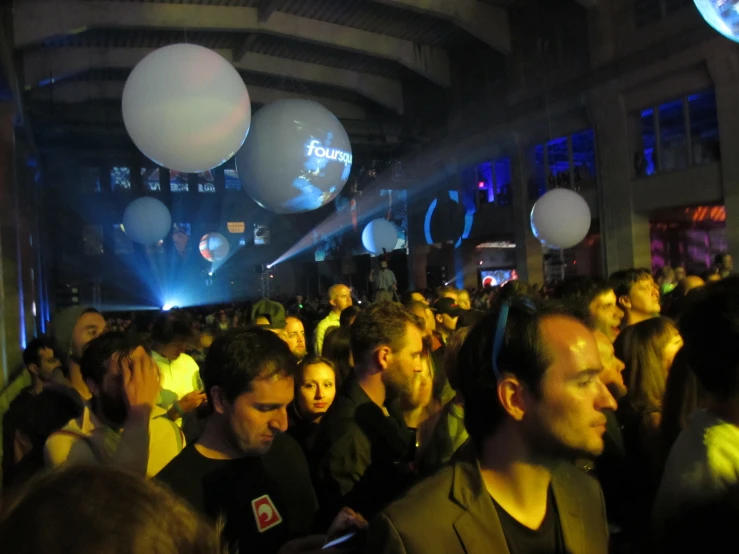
(294, 324)
(605, 297)
(568, 337)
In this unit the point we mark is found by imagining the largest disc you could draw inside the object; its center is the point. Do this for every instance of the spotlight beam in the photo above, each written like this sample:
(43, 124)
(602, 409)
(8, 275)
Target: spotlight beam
(368, 206)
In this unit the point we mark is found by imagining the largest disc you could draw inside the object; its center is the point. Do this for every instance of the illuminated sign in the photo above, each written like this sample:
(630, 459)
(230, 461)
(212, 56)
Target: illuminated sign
(314, 149)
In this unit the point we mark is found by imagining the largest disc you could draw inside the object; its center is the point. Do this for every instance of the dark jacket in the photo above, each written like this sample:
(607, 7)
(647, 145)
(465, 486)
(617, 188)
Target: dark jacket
(452, 512)
(361, 456)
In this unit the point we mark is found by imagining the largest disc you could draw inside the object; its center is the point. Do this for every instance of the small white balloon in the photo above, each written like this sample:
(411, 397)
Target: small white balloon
(186, 108)
(296, 158)
(560, 218)
(147, 220)
(380, 236)
(214, 247)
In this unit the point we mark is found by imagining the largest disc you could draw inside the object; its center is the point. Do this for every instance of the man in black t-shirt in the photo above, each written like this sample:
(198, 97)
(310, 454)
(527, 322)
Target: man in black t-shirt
(243, 468)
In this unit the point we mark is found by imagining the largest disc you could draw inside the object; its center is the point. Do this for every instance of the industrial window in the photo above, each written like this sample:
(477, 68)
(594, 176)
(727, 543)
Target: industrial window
(235, 227)
(677, 134)
(120, 178)
(178, 182)
(150, 177)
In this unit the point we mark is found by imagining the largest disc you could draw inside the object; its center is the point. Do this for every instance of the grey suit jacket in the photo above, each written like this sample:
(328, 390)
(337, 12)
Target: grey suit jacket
(452, 513)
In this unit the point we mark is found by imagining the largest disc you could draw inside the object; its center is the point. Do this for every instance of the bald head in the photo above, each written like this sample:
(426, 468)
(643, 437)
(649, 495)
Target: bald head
(340, 298)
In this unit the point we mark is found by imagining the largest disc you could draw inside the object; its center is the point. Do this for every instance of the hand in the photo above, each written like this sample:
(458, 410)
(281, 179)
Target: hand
(140, 380)
(191, 401)
(346, 521)
(308, 545)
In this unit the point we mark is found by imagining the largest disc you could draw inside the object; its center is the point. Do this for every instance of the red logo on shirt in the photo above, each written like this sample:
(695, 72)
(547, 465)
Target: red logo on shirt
(265, 513)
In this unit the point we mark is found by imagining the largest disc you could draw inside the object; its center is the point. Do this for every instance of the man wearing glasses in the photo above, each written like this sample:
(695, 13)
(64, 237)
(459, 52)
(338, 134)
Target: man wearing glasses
(533, 402)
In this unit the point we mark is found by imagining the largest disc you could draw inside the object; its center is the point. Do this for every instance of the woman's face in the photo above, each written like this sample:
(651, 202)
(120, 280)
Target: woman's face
(316, 391)
(673, 346)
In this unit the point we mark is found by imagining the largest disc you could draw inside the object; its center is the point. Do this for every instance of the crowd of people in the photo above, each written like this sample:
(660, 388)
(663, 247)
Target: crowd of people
(593, 416)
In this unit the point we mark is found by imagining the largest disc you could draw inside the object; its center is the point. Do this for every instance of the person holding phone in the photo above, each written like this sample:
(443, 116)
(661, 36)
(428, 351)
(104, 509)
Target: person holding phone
(244, 468)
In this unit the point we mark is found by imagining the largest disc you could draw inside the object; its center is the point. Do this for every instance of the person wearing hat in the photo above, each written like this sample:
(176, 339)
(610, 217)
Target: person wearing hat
(270, 315)
(65, 396)
(71, 330)
(447, 314)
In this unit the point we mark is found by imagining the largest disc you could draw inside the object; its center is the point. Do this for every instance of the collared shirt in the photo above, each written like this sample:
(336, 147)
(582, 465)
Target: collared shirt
(361, 454)
(331, 320)
(177, 378)
(385, 280)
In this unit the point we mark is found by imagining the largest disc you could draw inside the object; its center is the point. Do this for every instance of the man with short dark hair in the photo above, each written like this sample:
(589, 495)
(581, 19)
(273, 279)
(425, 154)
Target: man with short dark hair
(363, 446)
(172, 334)
(704, 461)
(637, 294)
(63, 397)
(533, 400)
(19, 433)
(593, 301)
(244, 466)
(123, 426)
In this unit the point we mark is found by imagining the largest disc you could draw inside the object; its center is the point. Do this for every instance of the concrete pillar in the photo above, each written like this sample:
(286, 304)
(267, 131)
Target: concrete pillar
(723, 63)
(417, 262)
(625, 234)
(529, 257)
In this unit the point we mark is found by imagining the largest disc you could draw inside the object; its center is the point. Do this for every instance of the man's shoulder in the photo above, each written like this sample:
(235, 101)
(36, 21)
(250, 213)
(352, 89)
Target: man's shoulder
(424, 501)
(285, 448)
(571, 478)
(187, 464)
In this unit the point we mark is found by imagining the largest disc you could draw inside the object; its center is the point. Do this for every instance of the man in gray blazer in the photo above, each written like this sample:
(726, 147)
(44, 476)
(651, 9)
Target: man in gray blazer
(533, 401)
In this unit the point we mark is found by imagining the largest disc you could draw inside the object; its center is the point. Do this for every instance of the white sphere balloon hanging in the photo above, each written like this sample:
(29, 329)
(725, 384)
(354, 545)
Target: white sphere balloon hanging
(722, 15)
(296, 158)
(186, 108)
(560, 218)
(147, 220)
(214, 247)
(380, 236)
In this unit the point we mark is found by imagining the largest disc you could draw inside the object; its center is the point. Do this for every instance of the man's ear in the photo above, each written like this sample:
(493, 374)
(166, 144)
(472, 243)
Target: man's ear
(33, 369)
(438, 318)
(513, 396)
(624, 302)
(219, 400)
(383, 357)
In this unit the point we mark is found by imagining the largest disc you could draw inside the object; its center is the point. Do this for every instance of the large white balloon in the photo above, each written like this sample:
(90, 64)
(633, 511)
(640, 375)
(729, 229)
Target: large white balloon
(380, 236)
(296, 158)
(560, 218)
(721, 15)
(186, 108)
(147, 220)
(214, 247)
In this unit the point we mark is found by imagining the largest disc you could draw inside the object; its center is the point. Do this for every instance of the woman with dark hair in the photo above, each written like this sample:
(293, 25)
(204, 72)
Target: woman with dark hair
(337, 348)
(348, 315)
(648, 349)
(683, 396)
(315, 389)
